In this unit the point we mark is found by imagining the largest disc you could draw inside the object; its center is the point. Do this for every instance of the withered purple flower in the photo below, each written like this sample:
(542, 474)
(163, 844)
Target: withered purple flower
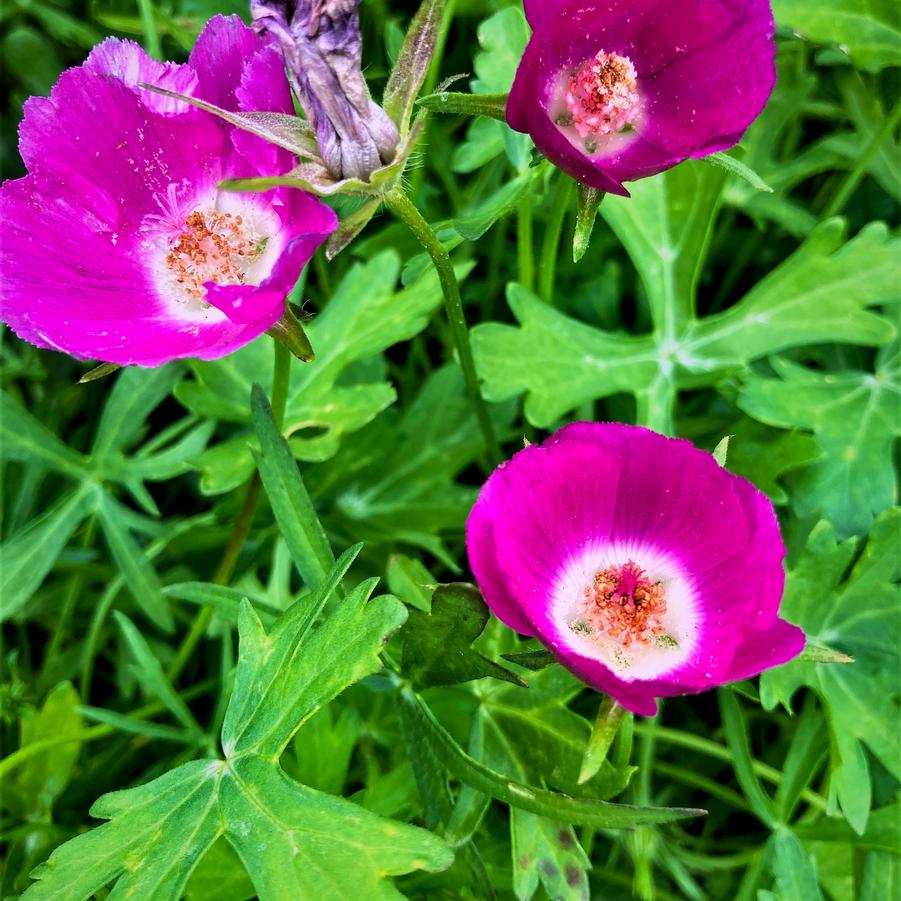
(320, 41)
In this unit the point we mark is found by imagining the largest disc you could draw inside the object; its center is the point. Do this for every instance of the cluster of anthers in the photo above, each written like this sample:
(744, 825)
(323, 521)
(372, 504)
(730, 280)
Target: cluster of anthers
(213, 247)
(622, 603)
(602, 96)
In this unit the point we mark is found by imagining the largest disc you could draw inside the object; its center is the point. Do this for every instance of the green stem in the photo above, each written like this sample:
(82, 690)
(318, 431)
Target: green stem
(402, 207)
(73, 593)
(524, 249)
(148, 25)
(856, 174)
(644, 838)
(550, 248)
(281, 378)
(721, 752)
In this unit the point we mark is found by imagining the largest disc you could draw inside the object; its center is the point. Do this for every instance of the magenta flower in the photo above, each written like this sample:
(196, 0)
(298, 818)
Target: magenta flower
(117, 245)
(612, 92)
(646, 568)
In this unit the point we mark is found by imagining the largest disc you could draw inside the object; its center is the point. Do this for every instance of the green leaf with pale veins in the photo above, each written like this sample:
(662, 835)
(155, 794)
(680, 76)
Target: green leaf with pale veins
(558, 361)
(438, 645)
(855, 418)
(820, 293)
(502, 39)
(796, 874)
(665, 227)
(857, 613)
(297, 844)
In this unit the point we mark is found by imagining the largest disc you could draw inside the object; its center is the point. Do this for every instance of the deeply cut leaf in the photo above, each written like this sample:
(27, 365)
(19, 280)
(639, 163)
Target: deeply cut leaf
(861, 619)
(855, 418)
(297, 844)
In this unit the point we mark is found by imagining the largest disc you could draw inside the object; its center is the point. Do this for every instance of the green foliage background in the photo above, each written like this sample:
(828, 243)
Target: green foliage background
(280, 760)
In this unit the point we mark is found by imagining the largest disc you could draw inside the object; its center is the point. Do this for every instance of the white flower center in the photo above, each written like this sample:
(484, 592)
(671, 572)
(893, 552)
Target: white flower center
(225, 239)
(631, 608)
(598, 105)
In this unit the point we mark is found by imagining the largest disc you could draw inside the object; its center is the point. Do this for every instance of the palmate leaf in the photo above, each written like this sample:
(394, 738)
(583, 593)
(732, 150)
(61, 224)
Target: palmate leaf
(855, 418)
(29, 556)
(295, 842)
(502, 38)
(365, 315)
(561, 363)
(857, 614)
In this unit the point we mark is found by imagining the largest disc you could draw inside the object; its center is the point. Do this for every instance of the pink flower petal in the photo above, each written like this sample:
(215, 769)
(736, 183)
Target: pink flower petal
(704, 71)
(97, 239)
(600, 494)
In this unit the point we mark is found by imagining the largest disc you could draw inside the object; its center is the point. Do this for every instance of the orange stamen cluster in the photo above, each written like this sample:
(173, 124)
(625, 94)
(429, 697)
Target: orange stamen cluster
(212, 247)
(623, 603)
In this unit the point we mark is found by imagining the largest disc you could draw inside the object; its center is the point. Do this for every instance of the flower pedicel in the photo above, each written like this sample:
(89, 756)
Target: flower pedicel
(645, 567)
(118, 245)
(616, 91)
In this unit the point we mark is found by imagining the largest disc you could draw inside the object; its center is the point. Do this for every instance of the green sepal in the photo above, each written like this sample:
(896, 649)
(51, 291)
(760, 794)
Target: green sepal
(289, 332)
(589, 199)
(99, 372)
(351, 226)
(288, 132)
(316, 179)
(412, 64)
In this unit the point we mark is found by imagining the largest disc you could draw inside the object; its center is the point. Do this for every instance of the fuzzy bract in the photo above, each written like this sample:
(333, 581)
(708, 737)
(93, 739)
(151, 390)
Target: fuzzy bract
(613, 92)
(646, 568)
(117, 245)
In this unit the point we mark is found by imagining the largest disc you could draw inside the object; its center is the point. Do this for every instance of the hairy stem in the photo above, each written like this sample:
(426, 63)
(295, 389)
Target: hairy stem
(843, 195)
(550, 247)
(402, 207)
(524, 245)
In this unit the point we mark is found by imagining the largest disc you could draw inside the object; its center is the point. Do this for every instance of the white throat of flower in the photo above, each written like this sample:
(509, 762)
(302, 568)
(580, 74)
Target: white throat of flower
(629, 607)
(218, 237)
(597, 105)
